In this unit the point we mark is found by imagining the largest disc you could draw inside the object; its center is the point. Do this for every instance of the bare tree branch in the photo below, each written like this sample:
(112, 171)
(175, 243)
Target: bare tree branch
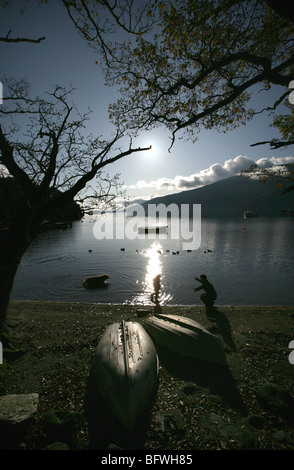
(274, 144)
(8, 39)
(54, 151)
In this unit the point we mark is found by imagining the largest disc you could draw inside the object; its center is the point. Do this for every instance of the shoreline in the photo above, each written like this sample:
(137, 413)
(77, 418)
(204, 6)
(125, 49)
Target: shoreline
(219, 408)
(231, 318)
(15, 301)
(31, 306)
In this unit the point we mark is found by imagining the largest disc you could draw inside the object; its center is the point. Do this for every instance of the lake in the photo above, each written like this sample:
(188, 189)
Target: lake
(249, 263)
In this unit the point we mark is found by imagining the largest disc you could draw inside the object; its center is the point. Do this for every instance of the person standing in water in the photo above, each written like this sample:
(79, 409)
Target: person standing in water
(210, 295)
(156, 285)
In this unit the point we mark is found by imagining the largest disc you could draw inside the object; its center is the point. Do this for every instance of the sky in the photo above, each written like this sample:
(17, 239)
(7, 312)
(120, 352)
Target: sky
(64, 58)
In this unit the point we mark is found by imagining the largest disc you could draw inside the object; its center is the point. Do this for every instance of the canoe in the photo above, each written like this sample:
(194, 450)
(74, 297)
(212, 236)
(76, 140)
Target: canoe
(186, 337)
(125, 368)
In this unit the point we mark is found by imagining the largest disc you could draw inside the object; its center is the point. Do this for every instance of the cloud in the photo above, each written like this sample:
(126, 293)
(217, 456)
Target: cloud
(161, 183)
(210, 175)
(274, 161)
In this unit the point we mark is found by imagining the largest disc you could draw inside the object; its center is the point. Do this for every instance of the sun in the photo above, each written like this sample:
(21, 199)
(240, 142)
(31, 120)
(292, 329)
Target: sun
(155, 145)
(153, 151)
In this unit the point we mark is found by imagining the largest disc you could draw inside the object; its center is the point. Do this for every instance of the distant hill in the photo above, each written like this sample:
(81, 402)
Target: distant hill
(231, 197)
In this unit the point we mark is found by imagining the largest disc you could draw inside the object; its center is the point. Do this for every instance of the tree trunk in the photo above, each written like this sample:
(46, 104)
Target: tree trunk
(13, 244)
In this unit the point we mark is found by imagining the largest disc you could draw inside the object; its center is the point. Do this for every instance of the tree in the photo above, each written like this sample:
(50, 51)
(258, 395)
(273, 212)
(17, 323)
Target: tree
(199, 65)
(50, 153)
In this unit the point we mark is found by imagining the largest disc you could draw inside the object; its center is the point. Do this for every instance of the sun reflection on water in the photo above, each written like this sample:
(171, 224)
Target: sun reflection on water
(153, 254)
(153, 267)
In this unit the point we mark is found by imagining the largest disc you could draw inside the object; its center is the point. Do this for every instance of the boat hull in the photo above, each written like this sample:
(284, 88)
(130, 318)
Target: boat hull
(186, 337)
(125, 369)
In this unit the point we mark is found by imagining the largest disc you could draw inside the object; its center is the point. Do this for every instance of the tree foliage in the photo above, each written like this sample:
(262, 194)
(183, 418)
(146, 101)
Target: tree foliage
(283, 175)
(285, 125)
(193, 65)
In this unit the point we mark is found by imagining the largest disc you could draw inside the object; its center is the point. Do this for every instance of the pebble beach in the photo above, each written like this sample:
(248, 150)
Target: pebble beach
(198, 405)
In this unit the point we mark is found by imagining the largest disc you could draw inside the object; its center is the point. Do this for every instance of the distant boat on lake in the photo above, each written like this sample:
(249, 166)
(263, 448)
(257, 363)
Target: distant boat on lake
(249, 214)
(153, 229)
(287, 213)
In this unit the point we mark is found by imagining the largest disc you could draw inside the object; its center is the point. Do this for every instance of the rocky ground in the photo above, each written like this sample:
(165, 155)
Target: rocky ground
(199, 406)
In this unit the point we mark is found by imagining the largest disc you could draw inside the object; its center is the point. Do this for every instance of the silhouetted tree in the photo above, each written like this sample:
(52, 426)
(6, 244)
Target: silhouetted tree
(199, 65)
(44, 149)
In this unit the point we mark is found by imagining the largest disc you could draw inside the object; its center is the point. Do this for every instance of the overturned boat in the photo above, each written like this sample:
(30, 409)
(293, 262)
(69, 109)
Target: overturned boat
(125, 369)
(186, 337)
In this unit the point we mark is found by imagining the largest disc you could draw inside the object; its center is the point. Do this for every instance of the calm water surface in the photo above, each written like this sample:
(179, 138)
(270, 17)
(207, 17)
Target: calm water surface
(249, 263)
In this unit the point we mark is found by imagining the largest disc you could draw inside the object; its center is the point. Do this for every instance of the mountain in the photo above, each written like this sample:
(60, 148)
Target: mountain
(231, 197)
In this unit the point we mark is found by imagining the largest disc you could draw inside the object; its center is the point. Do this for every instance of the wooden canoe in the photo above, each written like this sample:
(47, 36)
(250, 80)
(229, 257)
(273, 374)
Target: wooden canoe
(186, 337)
(125, 369)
